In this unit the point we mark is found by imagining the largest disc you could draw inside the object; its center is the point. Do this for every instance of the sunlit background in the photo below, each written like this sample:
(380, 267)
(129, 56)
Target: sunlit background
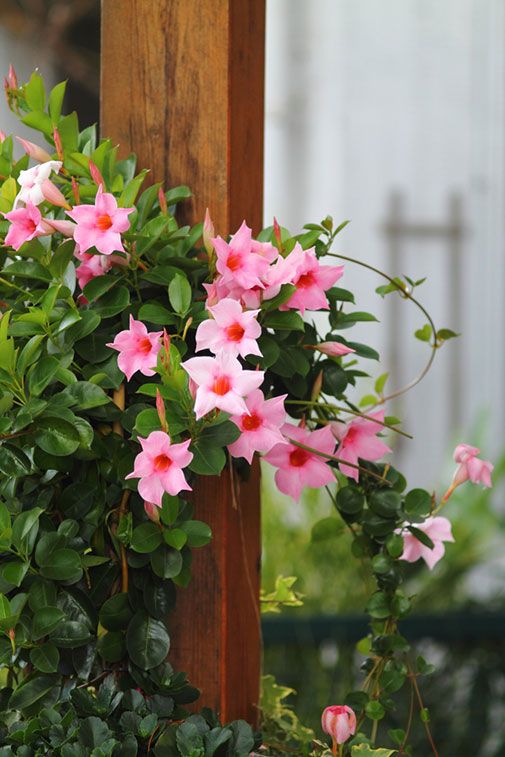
(390, 113)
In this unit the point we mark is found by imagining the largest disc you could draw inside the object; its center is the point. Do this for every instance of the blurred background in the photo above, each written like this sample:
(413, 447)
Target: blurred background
(390, 113)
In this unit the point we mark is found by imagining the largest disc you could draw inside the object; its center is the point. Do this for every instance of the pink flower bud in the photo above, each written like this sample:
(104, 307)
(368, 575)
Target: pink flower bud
(34, 151)
(64, 227)
(333, 349)
(160, 407)
(339, 721)
(316, 387)
(3, 136)
(12, 77)
(75, 191)
(208, 233)
(53, 195)
(58, 144)
(162, 201)
(96, 175)
(153, 513)
(277, 233)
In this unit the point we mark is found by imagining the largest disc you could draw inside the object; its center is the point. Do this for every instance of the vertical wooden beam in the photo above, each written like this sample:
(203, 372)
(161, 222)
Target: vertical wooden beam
(182, 86)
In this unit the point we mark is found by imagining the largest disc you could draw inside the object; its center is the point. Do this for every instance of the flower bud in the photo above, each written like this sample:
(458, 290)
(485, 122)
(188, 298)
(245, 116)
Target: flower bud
(75, 191)
(333, 349)
(12, 77)
(96, 175)
(64, 227)
(316, 387)
(339, 721)
(53, 195)
(152, 511)
(34, 151)
(160, 408)
(208, 233)
(58, 144)
(162, 201)
(277, 234)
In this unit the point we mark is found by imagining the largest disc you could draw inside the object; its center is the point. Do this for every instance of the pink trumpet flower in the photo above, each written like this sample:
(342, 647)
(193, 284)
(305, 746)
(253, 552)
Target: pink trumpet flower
(26, 224)
(53, 195)
(221, 383)
(311, 280)
(438, 529)
(138, 349)
(100, 225)
(259, 426)
(237, 261)
(358, 439)
(159, 467)
(91, 266)
(34, 151)
(66, 228)
(333, 349)
(230, 329)
(31, 182)
(339, 722)
(470, 468)
(298, 467)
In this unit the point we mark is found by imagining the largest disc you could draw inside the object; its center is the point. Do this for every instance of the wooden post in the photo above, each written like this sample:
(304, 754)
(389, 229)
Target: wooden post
(182, 86)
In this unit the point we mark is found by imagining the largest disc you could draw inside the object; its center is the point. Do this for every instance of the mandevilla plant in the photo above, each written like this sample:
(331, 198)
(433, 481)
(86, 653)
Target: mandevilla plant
(132, 359)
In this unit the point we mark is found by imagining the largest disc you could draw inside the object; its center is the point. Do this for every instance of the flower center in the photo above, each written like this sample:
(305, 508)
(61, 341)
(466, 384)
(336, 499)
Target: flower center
(233, 261)
(162, 463)
(144, 345)
(305, 280)
(31, 226)
(221, 385)
(298, 457)
(235, 332)
(104, 222)
(251, 422)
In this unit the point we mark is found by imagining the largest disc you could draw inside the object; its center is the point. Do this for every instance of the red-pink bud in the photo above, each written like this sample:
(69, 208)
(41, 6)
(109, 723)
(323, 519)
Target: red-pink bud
(53, 195)
(95, 174)
(12, 77)
(339, 721)
(3, 136)
(165, 358)
(34, 151)
(153, 513)
(58, 144)
(208, 233)
(277, 233)
(162, 201)
(160, 408)
(75, 191)
(333, 349)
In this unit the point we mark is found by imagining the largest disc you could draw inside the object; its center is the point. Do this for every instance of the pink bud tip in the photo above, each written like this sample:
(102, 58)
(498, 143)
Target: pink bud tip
(58, 144)
(75, 191)
(3, 136)
(162, 201)
(34, 151)
(95, 174)
(13, 79)
(153, 513)
(53, 195)
(277, 233)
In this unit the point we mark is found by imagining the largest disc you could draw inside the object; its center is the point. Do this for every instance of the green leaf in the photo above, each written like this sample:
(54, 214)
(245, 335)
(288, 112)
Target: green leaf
(421, 536)
(45, 620)
(166, 562)
(93, 732)
(31, 691)
(113, 302)
(385, 502)
(424, 334)
(71, 634)
(198, 532)
(13, 461)
(175, 538)
(378, 606)
(207, 460)
(374, 710)
(99, 286)
(380, 383)
(42, 374)
(35, 93)
(394, 545)
(285, 321)
(45, 658)
(147, 641)
(364, 750)
(350, 500)
(64, 565)
(27, 269)
(56, 100)
(146, 537)
(56, 436)
(418, 503)
(179, 294)
(444, 334)
(112, 646)
(327, 528)
(85, 395)
(152, 312)
(23, 524)
(116, 613)
(14, 571)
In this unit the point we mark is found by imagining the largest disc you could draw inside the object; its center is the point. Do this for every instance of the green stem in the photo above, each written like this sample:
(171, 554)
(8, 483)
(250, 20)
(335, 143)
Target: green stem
(327, 456)
(331, 406)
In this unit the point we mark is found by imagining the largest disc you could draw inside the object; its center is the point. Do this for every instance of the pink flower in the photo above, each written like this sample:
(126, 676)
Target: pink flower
(311, 279)
(333, 349)
(26, 224)
(31, 182)
(159, 467)
(100, 225)
(221, 383)
(260, 425)
(91, 266)
(239, 261)
(471, 467)
(231, 330)
(358, 440)
(298, 467)
(138, 349)
(339, 721)
(439, 530)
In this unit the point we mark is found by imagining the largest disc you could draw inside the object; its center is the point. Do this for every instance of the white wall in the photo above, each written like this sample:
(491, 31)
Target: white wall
(367, 97)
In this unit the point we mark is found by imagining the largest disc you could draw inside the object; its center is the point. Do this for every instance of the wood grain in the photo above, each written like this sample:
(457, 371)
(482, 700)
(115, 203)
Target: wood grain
(182, 86)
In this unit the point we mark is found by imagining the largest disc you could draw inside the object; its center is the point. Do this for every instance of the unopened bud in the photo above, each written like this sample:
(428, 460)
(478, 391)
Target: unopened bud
(277, 234)
(153, 513)
(208, 233)
(160, 408)
(58, 144)
(53, 195)
(12, 77)
(34, 151)
(316, 387)
(75, 191)
(162, 201)
(96, 174)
